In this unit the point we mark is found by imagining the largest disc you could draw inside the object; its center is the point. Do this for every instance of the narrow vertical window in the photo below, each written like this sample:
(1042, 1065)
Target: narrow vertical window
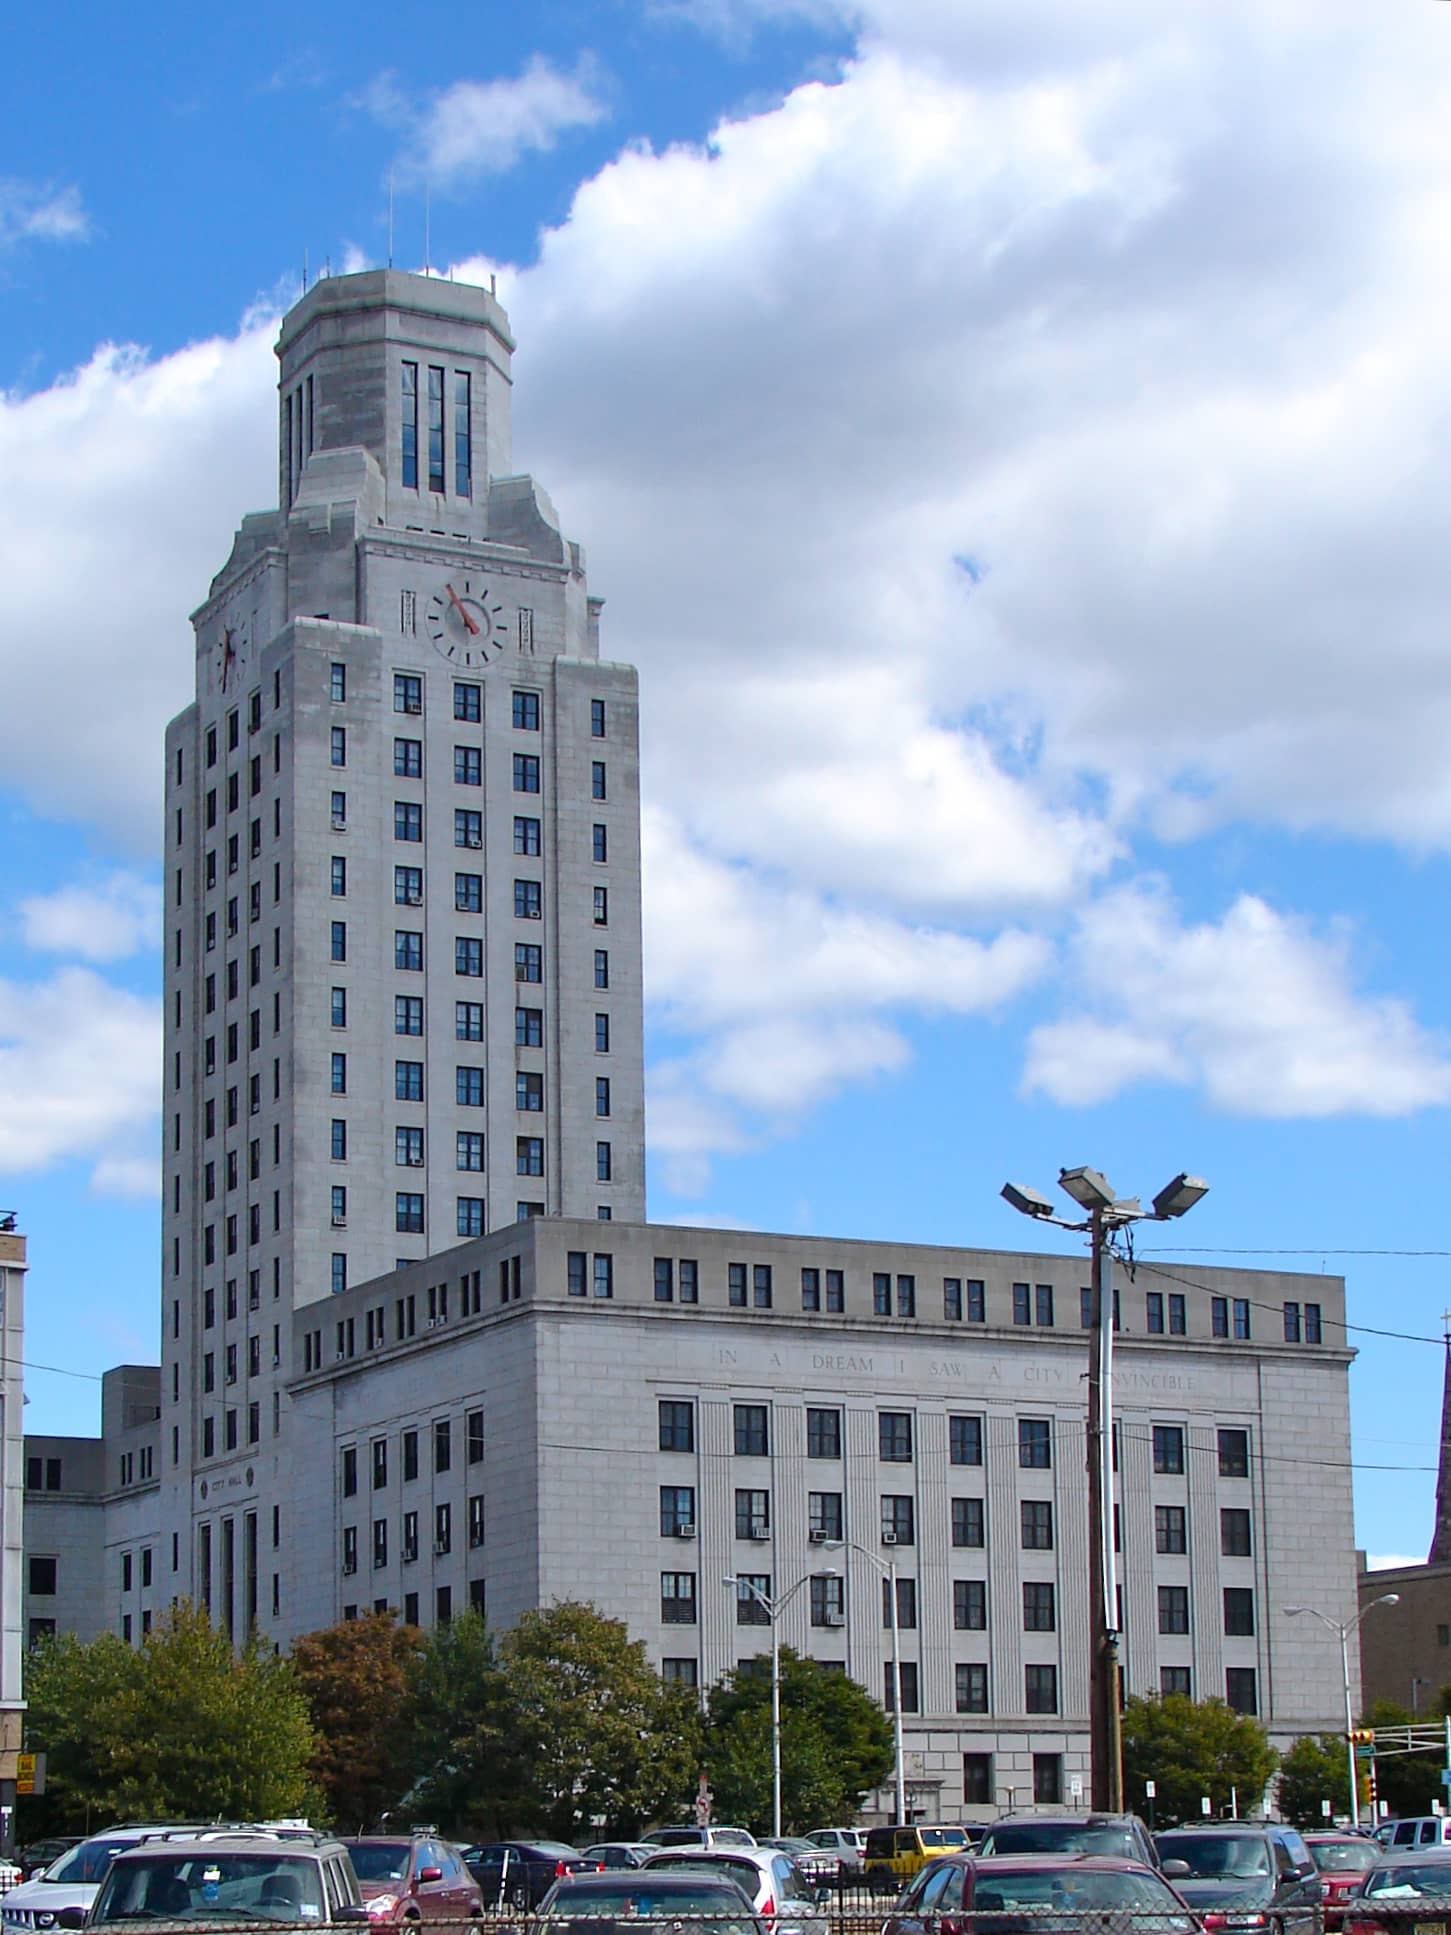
(435, 429)
(410, 426)
(462, 435)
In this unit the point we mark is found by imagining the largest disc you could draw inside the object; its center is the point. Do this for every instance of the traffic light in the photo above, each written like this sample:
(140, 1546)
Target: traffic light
(1363, 1737)
(1365, 1789)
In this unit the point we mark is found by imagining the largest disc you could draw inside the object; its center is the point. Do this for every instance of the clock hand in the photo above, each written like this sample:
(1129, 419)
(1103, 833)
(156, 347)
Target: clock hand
(461, 609)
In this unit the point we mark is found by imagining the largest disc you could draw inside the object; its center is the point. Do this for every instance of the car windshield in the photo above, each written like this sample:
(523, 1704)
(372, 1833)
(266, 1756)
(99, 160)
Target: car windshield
(1211, 1856)
(173, 1887)
(1050, 1837)
(379, 1860)
(1068, 1889)
(1410, 1878)
(88, 1862)
(942, 1837)
(1344, 1857)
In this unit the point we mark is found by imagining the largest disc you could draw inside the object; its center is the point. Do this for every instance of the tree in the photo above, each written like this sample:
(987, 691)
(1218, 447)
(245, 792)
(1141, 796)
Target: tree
(597, 1739)
(1191, 1748)
(181, 1727)
(354, 1677)
(459, 1750)
(836, 1744)
(1407, 1783)
(1314, 1770)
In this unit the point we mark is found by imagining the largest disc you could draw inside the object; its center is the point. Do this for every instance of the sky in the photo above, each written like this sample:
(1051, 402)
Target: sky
(1010, 437)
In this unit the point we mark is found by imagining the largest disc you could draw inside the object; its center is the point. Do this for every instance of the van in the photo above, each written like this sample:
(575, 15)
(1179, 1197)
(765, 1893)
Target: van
(1421, 1831)
(894, 1854)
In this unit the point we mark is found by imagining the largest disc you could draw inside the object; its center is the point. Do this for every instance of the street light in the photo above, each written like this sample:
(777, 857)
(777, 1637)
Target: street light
(1106, 1214)
(773, 1608)
(888, 1570)
(1343, 1628)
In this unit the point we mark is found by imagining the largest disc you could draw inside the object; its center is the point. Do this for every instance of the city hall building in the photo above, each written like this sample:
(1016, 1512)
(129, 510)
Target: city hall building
(420, 1348)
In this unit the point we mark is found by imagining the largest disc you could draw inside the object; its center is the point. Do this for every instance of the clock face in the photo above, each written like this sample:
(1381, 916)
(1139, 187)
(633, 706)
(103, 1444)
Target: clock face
(465, 621)
(232, 654)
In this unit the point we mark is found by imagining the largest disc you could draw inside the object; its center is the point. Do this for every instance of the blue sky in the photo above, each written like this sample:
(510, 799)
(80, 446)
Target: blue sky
(1127, 846)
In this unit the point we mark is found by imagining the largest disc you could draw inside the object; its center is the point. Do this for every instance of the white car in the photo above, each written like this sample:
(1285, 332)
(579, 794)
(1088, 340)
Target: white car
(847, 1844)
(780, 1894)
(74, 1880)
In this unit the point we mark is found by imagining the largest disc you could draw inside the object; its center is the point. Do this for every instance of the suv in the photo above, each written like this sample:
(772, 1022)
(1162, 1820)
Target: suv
(894, 1854)
(846, 1844)
(1259, 1871)
(72, 1881)
(254, 1877)
(1123, 1835)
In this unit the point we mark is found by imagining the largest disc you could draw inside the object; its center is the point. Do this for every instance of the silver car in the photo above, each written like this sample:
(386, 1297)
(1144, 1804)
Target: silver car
(781, 1895)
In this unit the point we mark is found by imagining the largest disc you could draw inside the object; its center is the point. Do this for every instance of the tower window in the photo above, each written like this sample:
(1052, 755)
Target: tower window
(410, 426)
(435, 429)
(462, 434)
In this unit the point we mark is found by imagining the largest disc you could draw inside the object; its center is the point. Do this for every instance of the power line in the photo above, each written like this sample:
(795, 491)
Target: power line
(1256, 1303)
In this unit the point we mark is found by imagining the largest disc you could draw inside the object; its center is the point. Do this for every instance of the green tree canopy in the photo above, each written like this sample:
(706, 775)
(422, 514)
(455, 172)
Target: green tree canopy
(1407, 1783)
(597, 1739)
(459, 1749)
(354, 1677)
(1190, 1748)
(180, 1727)
(1314, 1770)
(836, 1744)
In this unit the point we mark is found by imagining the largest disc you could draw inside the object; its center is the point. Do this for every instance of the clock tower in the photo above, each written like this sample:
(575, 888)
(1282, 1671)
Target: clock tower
(403, 986)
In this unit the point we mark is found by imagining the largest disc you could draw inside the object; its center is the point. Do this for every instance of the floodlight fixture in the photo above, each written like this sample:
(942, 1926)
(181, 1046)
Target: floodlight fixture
(1179, 1196)
(1029, 1201)
(1088, 1187)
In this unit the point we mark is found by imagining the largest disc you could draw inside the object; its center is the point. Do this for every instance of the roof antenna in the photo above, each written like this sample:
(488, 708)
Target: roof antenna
(390, 218)
(426, 250)
(304, 269)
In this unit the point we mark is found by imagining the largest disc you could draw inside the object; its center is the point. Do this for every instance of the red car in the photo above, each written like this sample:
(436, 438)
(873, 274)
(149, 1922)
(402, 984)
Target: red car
(1038, 1894)
(1343, 1862)
(412, 1878)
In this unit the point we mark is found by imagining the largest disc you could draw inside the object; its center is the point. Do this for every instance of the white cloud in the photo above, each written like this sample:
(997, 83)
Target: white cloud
(1256, 1009)
(80, 1072)
(107, 922)
(41, 212)
(1383, 1561)
(788, 998)
(120, 488)
(475, 128)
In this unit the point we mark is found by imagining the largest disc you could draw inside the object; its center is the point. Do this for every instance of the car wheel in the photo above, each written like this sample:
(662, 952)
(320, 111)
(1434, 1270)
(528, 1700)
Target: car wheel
(519, 1895)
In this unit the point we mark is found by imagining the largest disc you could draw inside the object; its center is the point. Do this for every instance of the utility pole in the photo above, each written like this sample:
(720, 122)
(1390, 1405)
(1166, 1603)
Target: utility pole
(1106, 1214)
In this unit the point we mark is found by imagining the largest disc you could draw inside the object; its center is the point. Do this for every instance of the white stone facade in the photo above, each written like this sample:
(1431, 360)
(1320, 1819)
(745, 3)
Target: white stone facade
(557, 1486)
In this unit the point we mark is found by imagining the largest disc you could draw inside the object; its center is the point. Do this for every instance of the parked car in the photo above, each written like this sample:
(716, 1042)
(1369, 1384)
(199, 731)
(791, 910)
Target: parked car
(847, 1845)
(412, 1878)
(36, 1856)
(521, 1873)
(1037, 1894)
(1123, 1835)
(235, 1876)
(701, 1837)
(1257, 1874)
(72, 1881)
(1344, 1860)
(1394, 1896)
(781, 1895)
(892, 1855)
(1419, 1831)
(620, 1854)
(639, 1899)
(815, 1863)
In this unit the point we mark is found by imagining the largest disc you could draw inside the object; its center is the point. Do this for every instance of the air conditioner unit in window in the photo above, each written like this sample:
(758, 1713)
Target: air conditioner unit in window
(685, 1531)
(760, 1532)
(888, 1537)
(410, 1555)
(415, 1162)
(340, 1222)
(532, 913)
(276, 1362)
(473, 839)
(340, 824)
(816, 1537)
(835, 1619)
(440, 1548)
(349, 1566)
(413, 899)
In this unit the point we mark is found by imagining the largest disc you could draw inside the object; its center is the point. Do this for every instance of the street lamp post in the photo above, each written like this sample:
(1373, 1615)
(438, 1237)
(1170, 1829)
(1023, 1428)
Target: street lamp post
(773, 1608)
(888, 1570)
(1107, 1214)
(1343, 1628)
